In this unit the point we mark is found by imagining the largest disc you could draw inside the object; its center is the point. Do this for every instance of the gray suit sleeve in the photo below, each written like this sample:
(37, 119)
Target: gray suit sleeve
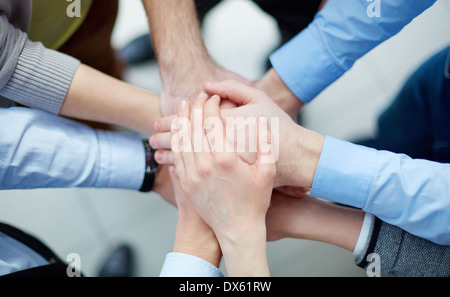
(31, 74)
(402, 254)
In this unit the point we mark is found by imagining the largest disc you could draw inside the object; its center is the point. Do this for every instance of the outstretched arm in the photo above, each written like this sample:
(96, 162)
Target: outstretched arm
(340, 34)
(35, 76)
(231, 195)
(184, 62)
(310, 218)
(196, 251)
(393, 187)
(400, 253)
(41, 150)
(95, 96)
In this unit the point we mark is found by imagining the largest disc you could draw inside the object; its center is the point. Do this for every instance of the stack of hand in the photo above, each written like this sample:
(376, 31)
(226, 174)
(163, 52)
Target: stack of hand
(223, 192)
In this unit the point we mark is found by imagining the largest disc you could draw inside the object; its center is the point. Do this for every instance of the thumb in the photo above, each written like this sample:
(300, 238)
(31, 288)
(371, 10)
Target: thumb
(236, 92)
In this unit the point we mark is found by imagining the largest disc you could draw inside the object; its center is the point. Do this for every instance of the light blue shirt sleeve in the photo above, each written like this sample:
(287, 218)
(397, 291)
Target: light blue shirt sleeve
(15, 256)
(412, 194)
(40, 150)
(185, 265)
(341, 33)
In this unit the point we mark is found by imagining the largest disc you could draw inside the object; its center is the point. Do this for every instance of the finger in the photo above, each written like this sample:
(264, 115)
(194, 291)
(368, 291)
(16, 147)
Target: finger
(183, 132)
(202, 150)
(161, 141)
(164, 124)
(222, 149)
(176, 153)
(227, 104)
(234, 91)
(164, 157)
(265, 155)
(197, 119)
(213, 131)
(176, 184)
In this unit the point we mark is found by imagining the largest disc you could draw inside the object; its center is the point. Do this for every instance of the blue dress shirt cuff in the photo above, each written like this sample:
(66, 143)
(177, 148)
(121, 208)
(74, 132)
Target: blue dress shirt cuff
(341, 33)
(345, 172)
(122, 160)
(185, 265)
(312, 69)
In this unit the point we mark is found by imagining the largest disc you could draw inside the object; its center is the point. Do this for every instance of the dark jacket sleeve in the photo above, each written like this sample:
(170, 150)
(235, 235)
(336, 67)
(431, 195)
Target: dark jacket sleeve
(402, 254)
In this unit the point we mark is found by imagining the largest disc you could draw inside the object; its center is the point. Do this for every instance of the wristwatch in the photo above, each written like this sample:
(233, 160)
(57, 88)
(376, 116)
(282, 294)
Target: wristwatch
(151, 168)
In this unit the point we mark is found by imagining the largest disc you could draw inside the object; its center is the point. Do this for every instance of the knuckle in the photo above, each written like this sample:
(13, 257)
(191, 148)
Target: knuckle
(204, 169)
(195, 183)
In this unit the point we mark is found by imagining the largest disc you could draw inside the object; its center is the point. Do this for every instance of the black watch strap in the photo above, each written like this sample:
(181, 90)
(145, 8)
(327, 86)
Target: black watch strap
(151, 168)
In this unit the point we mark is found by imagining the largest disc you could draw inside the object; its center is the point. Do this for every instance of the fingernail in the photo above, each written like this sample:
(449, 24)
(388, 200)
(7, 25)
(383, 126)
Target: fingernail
(152, 142)
(158, 156)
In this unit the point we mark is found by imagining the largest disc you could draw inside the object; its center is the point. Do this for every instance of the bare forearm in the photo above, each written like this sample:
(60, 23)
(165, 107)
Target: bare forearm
(176, 36)
(194, 237)
(299, 157)
(275, 88)
(175, 30)
(335, 225)
(185, 64)
(313, 219)
(95, 96)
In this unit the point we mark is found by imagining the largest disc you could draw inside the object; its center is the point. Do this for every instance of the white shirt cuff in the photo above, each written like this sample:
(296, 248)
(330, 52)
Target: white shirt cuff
(363, 238)
(185, 265)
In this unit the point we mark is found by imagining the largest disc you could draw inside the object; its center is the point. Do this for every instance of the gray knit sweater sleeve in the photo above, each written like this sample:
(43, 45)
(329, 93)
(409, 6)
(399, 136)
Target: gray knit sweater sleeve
(31, 74)
(405, 255)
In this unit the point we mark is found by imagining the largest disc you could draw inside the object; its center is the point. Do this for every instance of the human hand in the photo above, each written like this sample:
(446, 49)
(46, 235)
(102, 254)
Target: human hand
(187, 82)
(296, 149)
(249, 102)
(231, 195)
(299, 149)
(219, 200)
(163, 185)
(193, 236)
